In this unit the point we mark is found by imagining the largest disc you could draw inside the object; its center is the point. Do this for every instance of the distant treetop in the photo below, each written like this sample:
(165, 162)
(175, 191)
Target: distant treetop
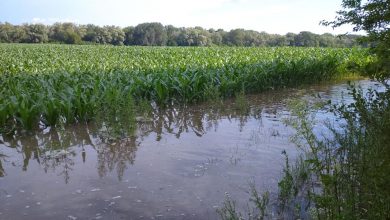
(156, 34)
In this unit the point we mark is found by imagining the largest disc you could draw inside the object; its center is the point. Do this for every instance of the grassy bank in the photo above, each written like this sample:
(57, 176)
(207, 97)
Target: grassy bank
(51, 84)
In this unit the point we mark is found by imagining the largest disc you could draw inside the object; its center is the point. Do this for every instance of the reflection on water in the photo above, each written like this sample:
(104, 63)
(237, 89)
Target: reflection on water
(203, 150)
(54, 148)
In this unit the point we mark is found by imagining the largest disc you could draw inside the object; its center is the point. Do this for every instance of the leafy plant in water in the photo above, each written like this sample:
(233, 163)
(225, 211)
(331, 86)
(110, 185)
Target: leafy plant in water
(257, 212)
(228, 210)
(69, 83)
(349, 168)
(286, 190)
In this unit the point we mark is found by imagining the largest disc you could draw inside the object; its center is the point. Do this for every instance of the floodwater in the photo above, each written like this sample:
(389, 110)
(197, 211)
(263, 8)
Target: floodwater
(178, 164)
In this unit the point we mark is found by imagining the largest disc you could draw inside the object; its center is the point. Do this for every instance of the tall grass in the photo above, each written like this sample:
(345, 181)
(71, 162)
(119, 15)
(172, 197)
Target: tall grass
(342, 173)
(54, 84)
(347, 171)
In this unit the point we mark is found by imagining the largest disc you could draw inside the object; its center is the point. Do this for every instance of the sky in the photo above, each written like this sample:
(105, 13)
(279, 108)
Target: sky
(271, 16)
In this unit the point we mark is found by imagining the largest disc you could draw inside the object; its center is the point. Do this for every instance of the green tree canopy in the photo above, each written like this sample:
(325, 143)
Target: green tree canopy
(155, 34)
(150, 34)
(372, 16)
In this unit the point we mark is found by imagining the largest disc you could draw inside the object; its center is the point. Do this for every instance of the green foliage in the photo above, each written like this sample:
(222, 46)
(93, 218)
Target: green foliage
(257, 211)
(348, 170)
(150, 34)
(36, 33)
(372, 16)
(65, 32)
(286, 183)
(228, 210)
(55, 84)
(155, 34)
(261, 203)
(293, 195)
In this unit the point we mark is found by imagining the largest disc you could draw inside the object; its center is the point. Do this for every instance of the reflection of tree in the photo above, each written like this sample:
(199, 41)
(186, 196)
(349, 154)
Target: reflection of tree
(178, 120)
(29, 148)
(56, 149)
(116, 155)
(2, 172)
(50, 149)
(195, 119)
(116, 142)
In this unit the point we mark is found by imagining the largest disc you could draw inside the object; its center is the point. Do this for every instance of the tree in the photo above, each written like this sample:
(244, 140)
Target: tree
(65, 32)
(150, 34)
(5, 30)
(129, 39)
(105, 35)
(372, 16)
(277, 40)
(216, 36)
(326, 40)
(117, 35)
(91, 33)
(197, 37)
(253, 38)
(172, 34)
(36, 33)
(236, 37)
(155, 34)
(290, 37)
(96, 34)
(306, 39)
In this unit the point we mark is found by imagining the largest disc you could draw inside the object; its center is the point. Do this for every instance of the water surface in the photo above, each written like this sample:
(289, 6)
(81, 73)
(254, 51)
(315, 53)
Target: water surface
(178, 164)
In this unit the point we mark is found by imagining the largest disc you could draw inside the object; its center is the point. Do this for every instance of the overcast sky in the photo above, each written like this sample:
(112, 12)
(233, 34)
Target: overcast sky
(271, 16)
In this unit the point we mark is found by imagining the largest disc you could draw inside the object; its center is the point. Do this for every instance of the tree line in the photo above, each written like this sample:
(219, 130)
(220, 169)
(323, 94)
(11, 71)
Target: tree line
(156, 34)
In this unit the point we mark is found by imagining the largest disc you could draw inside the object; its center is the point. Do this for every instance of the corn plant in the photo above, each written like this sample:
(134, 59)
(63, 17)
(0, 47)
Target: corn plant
(54, 84)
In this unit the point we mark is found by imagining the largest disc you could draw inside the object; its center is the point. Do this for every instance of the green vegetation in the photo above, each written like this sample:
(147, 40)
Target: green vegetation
(373, 17)
(257, 210)
(348, 169)
(351, 165)
(54, 84)
(343, 169)
(155, 34)
(344, 173)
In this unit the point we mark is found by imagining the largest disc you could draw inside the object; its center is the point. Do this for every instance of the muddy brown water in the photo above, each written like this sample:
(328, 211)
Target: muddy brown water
(179, 164)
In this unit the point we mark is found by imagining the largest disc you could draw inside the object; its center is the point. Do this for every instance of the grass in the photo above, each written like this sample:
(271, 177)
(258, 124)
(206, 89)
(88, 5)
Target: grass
(49, 85)
(257, 210)
(343, 172)
(348, 169)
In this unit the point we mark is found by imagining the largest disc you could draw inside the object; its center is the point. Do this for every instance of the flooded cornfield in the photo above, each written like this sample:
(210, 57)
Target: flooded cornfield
(178, 164)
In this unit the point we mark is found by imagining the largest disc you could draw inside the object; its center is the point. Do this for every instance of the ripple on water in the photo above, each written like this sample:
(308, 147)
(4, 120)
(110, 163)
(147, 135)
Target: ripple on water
(178, 164)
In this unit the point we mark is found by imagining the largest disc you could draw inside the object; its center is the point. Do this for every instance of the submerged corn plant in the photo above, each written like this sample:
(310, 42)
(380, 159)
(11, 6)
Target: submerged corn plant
(48, 85)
